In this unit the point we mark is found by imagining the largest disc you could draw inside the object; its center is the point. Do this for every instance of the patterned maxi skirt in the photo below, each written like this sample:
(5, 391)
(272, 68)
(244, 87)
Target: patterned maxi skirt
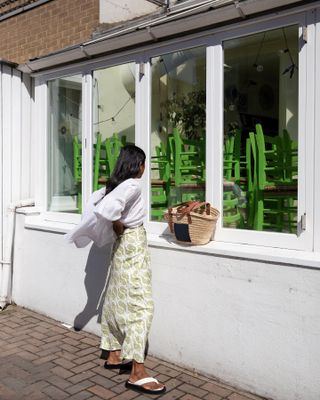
(128, 307)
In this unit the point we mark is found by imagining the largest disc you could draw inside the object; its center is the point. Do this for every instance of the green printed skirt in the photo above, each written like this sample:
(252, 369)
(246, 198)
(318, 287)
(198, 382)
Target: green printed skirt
(128, 307)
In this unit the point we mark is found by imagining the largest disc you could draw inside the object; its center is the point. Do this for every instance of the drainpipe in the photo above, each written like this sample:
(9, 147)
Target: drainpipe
(6, 263)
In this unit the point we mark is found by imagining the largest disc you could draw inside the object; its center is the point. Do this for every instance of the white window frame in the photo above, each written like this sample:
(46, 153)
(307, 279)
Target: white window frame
(316, 168)
(214, 137)
(40, 116)
(303, 240)
(214, 192)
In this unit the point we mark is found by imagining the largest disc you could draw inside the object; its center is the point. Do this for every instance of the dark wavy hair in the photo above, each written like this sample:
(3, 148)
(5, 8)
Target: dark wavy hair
(130, 159)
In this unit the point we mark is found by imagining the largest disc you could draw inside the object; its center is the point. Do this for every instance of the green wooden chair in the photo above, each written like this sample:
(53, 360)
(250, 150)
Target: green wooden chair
(291, 176)
(113, 146)
(275, 194)
(252, 180)
(290, 148)
(160, 187)
(232, 216)
(101, 167)
(77, 170)
(188, 166)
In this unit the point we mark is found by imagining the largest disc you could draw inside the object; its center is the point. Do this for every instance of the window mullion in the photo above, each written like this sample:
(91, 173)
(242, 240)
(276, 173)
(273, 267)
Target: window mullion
(142, 116)
(317, 142)
(87, 157)
(40, 163)
(214, 127)
(306, 128)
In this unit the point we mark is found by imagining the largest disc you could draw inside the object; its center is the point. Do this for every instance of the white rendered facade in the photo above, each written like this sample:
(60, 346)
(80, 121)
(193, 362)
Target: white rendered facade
(244, 308)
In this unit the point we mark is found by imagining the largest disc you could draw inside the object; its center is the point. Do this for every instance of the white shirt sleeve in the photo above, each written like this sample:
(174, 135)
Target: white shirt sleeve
(113, 205)
(123, 203)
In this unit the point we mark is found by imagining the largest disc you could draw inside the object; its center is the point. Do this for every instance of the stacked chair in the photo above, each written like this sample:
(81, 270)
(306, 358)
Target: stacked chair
(105, 156)
(160, 188)
(77, 170)
(101, 169)
(260, 176)
(180, 166)
(266, 175)
(232, 164)
(275, 186)
(188, 158)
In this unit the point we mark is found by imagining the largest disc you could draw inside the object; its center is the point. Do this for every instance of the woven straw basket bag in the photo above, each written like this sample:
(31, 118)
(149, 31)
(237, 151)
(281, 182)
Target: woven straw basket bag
(192, 222)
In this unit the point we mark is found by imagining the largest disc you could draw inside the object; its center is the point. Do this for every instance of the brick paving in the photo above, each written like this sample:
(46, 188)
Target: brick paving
(41, 359)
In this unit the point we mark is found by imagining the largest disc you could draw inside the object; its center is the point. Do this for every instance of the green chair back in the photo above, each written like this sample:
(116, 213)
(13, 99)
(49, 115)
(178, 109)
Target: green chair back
(113, 147)
(77, 169)
(160, 186)
(101, 167)
(275, 195)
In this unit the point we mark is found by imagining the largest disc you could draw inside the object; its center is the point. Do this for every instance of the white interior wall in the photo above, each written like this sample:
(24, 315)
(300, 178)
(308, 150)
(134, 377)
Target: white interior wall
(288, 101)
(114, 97)
(16, 146)
(249, 323)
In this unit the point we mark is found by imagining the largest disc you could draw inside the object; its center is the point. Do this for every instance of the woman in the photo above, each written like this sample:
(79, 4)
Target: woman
(128, 308)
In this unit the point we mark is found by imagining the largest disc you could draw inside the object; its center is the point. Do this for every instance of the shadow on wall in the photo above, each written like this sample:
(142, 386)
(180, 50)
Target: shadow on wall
(97, 269)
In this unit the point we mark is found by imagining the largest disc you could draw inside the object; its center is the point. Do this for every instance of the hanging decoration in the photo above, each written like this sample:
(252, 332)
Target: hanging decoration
(256, 65)
(292, 67)
(113, 118)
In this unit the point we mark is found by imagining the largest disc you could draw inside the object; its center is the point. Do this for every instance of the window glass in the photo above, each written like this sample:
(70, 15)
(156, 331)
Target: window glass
(113, 117)
(64, 185)
(261, 131)
(177, 129)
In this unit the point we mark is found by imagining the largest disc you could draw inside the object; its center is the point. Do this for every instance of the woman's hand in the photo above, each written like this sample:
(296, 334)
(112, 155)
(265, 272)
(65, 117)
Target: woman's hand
(118, 227)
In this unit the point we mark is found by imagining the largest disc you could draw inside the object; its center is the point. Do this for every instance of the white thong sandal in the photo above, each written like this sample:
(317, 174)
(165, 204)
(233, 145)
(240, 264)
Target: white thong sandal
(138, 386)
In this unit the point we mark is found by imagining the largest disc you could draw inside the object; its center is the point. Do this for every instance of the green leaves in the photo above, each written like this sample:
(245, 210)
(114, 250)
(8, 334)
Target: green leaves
(188, 113)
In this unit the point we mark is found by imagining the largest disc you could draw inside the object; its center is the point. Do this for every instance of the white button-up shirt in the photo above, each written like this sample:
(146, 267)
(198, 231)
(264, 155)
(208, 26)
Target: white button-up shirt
(124, 203)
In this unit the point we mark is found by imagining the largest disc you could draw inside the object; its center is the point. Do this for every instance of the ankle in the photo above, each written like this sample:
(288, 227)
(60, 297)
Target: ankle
(114, 356)
(138, 371)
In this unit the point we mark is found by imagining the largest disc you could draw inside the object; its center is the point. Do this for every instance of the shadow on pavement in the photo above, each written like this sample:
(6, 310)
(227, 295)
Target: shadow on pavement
(97, 268)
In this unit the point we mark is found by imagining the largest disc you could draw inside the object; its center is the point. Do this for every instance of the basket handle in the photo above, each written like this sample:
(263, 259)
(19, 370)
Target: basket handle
(187, 207)
(169, 216)
(183, 209)
(204, 203)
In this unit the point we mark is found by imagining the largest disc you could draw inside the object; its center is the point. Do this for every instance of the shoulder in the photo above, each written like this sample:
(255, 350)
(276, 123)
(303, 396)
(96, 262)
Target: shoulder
(99, 193)
(128, 189)
(95, 197)
(130, 184)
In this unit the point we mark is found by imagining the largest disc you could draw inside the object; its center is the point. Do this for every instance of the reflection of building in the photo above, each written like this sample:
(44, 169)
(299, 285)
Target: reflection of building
(79, 74)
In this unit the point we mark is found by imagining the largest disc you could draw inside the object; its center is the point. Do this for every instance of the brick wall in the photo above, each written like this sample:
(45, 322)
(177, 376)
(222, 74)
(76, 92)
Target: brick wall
(49, 27)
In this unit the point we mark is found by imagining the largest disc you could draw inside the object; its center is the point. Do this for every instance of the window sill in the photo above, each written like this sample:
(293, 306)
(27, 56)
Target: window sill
(296, 258)
(47, 222)
(257, 253)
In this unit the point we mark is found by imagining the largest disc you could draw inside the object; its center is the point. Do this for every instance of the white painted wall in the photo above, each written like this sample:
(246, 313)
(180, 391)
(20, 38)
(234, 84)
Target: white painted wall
(115, 11)
(249, 323)
(16, 94)
(16, 146)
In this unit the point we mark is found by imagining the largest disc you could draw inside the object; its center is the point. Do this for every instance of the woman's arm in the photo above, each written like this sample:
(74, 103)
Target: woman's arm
(118, 227)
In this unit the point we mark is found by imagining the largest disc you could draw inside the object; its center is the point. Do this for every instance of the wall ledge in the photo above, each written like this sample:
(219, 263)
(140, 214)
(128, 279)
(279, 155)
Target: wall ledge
(294, 258)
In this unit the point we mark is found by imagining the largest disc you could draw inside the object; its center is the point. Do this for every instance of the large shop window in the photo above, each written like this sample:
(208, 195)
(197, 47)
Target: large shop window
(64, 185)
(251, 126)
(260, 170)
(178, 133)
